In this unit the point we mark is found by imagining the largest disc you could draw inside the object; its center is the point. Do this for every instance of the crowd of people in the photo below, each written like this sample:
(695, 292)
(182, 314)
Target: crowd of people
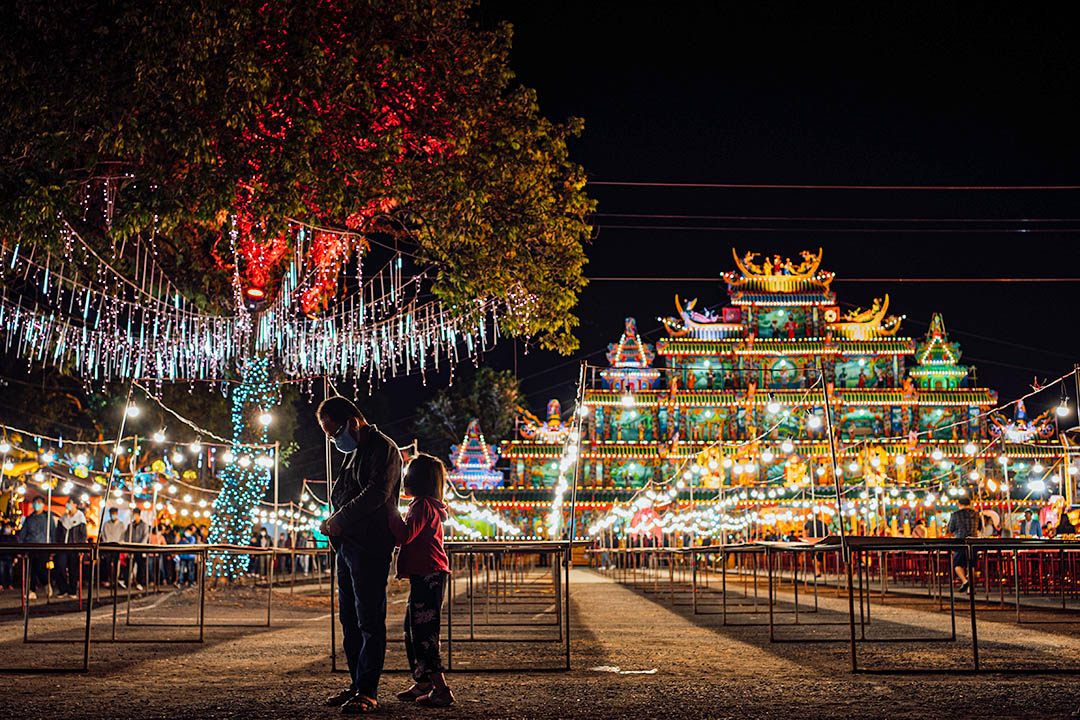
(62, 573)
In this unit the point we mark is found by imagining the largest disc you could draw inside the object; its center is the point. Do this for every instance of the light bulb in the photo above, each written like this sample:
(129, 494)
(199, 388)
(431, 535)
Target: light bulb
(787, 446)
(900, 460)
(177, 458)
(627, 400)
(133, 411)
(47, 457)
(814, 422)
(196, 447)
(937, 455)
(265, 418)
(970, 449)
(159, 436)
(1062, 410)
(227, 456)
(5, 447)
(773, 407)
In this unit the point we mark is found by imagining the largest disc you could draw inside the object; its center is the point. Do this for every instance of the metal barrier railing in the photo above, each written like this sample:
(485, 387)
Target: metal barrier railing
(136, 554)
(36, 551)
(1046, 567)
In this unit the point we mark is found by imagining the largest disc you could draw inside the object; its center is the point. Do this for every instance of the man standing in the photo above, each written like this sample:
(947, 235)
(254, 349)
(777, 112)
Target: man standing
(369, 479)
(72, 531)
(1030, 526)
(963, 523)
(111, 532)
(138, 532)
(38, 527)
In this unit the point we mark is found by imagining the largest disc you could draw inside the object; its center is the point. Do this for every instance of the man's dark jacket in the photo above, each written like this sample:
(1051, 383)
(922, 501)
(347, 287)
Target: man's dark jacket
(370, 478)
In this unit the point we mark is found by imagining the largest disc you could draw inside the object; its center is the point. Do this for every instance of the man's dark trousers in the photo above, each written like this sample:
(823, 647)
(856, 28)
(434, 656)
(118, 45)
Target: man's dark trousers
(362, 575)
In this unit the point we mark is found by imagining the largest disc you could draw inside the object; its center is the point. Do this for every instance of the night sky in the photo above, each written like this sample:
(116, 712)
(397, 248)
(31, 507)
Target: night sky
(762, 93)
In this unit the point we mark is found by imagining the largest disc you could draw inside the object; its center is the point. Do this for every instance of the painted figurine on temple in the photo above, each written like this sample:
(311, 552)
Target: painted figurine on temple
(710, 378)
(790, 326)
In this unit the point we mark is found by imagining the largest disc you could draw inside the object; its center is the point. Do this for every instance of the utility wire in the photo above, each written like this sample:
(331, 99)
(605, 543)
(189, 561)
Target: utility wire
(717, 278)
(904, 231)
(781, 186)
(796, 218)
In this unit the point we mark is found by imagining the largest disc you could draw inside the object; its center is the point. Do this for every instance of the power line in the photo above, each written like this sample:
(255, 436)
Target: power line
(660, 278)
(906, 231)
(801, 218)
(784, 186)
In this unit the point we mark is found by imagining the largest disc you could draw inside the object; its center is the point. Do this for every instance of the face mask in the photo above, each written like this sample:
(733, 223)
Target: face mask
(345, 442)
(38, 506)
(114, 518)
(187, 534)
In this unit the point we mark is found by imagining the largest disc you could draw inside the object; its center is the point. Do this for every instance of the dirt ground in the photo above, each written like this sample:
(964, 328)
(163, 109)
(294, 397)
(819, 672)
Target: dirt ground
(634, 655)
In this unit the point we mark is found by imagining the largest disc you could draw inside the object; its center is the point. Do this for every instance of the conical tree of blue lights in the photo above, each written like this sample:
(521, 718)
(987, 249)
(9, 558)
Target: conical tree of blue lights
(243, 484)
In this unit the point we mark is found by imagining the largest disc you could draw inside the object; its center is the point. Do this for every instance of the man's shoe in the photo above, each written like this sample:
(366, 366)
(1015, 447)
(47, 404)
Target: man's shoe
(31, 595)
(340, 699)
(358, 704)
(437, 698)
(138, 586)
(121, 584)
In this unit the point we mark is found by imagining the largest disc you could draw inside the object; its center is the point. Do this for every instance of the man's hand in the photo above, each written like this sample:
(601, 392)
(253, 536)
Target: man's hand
(329, 527)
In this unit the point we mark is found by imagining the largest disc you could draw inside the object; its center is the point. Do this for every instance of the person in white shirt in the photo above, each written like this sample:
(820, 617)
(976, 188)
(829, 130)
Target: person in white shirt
(138, 532)
(111, 532)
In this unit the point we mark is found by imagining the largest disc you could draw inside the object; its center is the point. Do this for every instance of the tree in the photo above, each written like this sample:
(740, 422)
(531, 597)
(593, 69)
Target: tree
(214, 124)
(493, 396)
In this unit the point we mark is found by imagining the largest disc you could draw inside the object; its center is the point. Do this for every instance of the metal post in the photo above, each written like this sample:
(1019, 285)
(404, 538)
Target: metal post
(1016, 581)
(566, 600)
(203, 564)
(971, 605)
(115, 582)
(768, 573)
(89, 607)
(839, 506)
(270, 587)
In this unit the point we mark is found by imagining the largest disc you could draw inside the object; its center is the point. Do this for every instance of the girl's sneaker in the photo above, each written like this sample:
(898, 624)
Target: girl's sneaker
(437, 698)
(414, 693)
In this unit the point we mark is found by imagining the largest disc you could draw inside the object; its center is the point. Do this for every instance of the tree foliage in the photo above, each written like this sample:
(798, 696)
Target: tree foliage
(398, 118)
(493, 396)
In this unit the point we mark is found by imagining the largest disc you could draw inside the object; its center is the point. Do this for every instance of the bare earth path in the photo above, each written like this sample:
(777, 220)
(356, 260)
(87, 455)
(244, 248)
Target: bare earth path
(671, 664)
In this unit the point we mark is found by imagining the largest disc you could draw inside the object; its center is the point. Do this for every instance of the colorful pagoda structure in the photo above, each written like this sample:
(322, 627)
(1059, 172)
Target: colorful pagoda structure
(474, 461)
(735, 411)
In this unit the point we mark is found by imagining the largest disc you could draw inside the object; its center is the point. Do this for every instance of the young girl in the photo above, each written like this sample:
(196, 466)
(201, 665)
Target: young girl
(423, 560)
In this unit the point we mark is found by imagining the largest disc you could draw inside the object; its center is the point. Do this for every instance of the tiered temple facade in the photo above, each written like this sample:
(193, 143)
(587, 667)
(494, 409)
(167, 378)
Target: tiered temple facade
(736, 399)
